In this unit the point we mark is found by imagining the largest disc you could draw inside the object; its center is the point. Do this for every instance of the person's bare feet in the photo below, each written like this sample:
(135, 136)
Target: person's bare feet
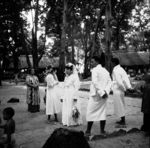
(121, 123)
(87, 133)
(104, 134)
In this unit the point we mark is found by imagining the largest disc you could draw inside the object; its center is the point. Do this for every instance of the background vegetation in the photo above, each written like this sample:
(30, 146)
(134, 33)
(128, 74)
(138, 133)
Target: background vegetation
(72, 30)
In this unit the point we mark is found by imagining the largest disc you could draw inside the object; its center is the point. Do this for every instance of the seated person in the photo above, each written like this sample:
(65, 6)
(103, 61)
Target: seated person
(65, 138)
(7, 139)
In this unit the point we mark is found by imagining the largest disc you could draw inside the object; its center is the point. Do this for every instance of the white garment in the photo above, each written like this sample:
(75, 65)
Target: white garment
(121, 83)
(70, 91)
(52, 100)
(101, 83)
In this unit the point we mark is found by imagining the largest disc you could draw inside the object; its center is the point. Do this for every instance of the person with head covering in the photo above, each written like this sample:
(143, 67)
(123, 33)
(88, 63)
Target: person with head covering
(65, 138)
(33, 95)
(146, 105)
(70, 90)
(121, 83)
(52, 100)
(99, 91)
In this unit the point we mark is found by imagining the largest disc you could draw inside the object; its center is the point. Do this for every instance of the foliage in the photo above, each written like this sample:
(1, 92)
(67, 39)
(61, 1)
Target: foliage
(10, 34)
(138, 35)
(81, 35)
(121, 12)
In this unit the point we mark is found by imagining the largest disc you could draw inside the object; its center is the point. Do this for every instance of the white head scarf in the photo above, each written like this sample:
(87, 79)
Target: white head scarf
(74, 68)
(75, 73)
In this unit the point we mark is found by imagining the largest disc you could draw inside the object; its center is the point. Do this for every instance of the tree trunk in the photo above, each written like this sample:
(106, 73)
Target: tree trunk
(86, 64)
(108, 36)
(72, 44)
(117, 37)
(15, 53)
(1, 72)
(16, 61)
(25, 47)
(34, 39)
(34, 51)
(63, 45)
(96, 31)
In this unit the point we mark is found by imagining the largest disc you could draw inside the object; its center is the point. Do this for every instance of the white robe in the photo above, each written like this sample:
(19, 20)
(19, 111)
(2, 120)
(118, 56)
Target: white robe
(53, 104)
(101, 83)
(121, 83)
(70, 91)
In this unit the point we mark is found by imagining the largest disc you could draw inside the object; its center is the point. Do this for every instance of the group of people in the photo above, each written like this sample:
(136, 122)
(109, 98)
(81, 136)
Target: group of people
(102, 83)
(58, 97)
(101, 86)
(62, 98)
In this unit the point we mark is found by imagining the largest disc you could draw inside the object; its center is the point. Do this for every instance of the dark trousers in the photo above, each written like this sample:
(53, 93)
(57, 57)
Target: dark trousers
(33, 108)
(146, 123)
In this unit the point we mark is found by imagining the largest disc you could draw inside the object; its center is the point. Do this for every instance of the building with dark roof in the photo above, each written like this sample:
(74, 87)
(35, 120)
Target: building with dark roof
(43, 63)
(133, 59)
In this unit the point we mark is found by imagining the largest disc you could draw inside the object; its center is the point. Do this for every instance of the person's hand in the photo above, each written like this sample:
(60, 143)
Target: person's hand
(105, 96)
(131, 90)
(111, 92)
(75, 100)
(36, 86)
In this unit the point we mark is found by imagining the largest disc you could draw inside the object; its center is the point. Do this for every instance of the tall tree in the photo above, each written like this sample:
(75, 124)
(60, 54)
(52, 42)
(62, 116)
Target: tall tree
(10, 33)
(140, 27)
(34, 35)
(34, 44)
(108, 34)
(63, 40)
(121, 12)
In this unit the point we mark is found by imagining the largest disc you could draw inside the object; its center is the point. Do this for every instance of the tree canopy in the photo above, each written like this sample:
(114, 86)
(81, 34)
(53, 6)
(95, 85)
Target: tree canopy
(77, 29)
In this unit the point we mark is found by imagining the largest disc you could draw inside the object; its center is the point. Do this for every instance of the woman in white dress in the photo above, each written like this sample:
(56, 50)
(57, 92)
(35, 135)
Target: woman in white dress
(52, 100)
(70, 114)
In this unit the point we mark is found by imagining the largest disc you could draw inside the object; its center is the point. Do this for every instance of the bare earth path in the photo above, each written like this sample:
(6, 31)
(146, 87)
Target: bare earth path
(32, 130)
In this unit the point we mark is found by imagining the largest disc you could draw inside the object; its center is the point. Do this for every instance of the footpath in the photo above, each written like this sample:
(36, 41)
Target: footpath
(32, 129)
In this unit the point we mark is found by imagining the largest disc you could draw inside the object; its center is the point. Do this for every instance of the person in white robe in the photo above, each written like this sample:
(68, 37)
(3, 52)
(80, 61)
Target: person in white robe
(53, 106)
(99, 91)
(121, 83)
(70, 98)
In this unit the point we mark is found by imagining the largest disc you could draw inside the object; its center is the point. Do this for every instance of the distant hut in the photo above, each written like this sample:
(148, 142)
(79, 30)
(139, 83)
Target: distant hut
(134, 60)
(43, 63)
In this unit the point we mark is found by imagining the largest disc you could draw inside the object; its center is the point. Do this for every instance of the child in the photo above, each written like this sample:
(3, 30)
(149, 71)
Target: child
(146, 105)
(7, 140)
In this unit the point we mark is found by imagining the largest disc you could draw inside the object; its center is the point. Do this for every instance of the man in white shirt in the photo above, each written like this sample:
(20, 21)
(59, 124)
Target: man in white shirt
(121, 83)
(99, 91)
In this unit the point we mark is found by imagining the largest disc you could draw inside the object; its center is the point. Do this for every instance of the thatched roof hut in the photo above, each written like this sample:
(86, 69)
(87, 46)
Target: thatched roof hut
(127, 59)
(133, 58)
(44, 62)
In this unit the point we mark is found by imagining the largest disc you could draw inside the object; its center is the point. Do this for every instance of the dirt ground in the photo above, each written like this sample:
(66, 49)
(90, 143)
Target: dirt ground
(32, 129)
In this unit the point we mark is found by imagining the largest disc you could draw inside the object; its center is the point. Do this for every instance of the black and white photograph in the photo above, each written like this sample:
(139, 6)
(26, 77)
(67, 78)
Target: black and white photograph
(74, 73)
